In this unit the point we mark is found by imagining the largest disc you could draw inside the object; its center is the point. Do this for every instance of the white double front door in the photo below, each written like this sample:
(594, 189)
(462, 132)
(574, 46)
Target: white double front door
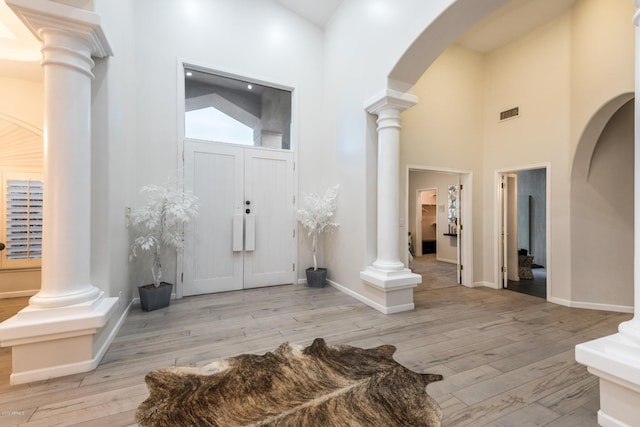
(244, 234)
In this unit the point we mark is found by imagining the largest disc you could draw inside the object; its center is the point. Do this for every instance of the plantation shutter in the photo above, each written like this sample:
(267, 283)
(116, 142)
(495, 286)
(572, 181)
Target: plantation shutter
(22, 220)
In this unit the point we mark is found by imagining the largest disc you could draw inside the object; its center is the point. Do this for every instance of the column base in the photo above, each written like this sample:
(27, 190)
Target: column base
(54, 342)
(394, 287)
(616, 361)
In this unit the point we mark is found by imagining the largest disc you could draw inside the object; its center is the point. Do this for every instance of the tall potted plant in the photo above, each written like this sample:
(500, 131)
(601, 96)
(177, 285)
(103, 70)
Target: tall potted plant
(316, 217)
(158, 224)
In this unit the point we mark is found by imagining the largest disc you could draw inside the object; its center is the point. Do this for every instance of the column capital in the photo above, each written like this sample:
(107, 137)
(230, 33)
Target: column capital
(41, 16)
(390, 99)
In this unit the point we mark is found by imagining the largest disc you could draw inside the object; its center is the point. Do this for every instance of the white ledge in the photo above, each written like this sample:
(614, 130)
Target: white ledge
(391, 280)
(47, 324)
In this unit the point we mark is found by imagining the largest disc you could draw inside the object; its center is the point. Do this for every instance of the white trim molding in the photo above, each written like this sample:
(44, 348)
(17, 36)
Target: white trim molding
(592, 305)
(385, 309)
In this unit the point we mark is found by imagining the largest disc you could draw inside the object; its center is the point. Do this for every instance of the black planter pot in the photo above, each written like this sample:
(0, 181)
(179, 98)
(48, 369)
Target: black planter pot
(152, 298)
(316, 278)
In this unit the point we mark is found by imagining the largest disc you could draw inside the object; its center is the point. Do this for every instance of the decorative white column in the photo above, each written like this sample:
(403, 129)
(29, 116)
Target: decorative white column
(388, 274)
(54, 335)
(616, 359)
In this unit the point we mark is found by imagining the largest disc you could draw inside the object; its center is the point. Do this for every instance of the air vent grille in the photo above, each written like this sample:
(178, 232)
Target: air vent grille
(510, 113)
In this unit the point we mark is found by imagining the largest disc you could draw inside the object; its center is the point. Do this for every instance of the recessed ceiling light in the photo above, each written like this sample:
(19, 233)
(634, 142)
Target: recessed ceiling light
(249, 87)
(189, 74)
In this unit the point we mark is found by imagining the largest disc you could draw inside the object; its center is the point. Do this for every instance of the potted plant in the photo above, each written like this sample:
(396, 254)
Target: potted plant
(158, 224)
(316, 217)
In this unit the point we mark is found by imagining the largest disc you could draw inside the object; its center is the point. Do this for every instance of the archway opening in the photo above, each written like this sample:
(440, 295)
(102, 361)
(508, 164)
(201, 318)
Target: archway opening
(602, 217)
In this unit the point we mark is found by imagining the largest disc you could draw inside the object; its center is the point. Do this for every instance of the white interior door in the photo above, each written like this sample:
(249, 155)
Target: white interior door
(243, 236)
(269, 227)
(214, 173)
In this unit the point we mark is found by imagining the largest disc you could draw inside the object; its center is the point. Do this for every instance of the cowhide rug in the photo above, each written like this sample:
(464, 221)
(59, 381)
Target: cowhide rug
(319, 385)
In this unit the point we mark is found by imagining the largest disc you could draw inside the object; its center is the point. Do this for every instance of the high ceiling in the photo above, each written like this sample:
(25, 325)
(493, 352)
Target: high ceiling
(20, 51)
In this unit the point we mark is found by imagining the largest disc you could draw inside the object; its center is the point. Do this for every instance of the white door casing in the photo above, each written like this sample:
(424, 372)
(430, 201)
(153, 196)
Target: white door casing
(512, 228)
(503, 231)
(233, 245)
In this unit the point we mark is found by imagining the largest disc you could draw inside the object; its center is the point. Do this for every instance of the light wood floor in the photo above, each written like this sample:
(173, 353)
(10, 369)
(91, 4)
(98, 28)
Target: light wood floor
(507, 358)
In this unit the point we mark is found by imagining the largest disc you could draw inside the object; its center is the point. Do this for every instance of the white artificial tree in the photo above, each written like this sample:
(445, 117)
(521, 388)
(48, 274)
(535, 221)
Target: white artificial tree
(316, 217)
(159, 222)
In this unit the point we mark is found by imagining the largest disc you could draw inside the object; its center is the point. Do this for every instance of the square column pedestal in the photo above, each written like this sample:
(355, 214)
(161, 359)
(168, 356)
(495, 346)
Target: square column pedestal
(53, 342)
(394, 288)
(616, 361)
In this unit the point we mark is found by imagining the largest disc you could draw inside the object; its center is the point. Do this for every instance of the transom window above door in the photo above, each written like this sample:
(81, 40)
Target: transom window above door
(233, 111)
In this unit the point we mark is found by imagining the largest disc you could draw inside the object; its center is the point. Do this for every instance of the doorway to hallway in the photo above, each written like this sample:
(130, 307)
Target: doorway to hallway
(439, 219)
(523, 231)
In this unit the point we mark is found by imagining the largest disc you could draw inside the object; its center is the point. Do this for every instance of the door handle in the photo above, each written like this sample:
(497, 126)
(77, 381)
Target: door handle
(237, 232)
(2, 246)
(250, 233)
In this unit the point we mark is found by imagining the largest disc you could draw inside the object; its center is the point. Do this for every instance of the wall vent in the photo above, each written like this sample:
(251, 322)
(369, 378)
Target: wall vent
(510, 113)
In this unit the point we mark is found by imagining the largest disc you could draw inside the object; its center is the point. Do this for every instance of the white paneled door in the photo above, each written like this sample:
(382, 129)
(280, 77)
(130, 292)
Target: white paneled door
(244, 235)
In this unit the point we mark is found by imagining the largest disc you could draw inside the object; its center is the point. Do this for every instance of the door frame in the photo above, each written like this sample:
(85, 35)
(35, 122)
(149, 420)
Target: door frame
(181, 64)
(465, 246)
(497, 210)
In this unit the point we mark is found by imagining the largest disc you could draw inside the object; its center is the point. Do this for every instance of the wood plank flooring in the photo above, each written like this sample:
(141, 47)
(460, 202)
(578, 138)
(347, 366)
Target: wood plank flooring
(507, 358)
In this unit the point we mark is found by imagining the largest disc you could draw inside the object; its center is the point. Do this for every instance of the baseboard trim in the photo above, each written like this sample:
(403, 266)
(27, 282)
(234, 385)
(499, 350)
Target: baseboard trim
(18, 294)
(609, 421)
(592, 305)
(53, 372)
(485, 285)
(449, 261)
(112, 335)
(379, 307)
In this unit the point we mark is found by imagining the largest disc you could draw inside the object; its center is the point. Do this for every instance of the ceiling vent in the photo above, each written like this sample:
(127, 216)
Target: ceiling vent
(512, 113)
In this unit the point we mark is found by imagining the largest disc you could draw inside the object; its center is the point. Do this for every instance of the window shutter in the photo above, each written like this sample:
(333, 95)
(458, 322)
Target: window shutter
(23, 220)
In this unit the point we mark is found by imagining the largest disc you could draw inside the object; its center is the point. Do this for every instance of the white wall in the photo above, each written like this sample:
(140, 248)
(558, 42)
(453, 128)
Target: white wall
(113, 157)
(445, 129)
(533, 73)
(253, 38)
